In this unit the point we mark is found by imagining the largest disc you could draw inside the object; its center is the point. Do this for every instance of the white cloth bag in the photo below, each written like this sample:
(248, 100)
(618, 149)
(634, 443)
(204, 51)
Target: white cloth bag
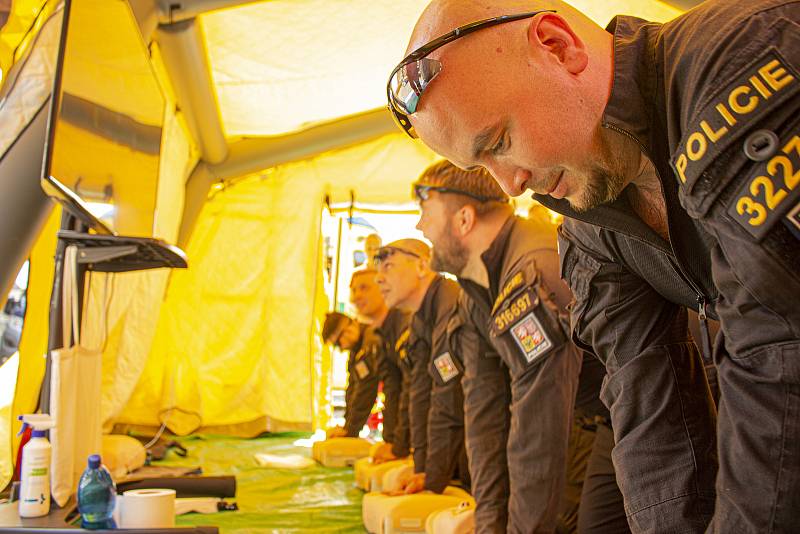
(75, 395)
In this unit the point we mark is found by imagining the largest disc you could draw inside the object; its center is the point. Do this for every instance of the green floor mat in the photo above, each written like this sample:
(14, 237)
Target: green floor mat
(316, 499)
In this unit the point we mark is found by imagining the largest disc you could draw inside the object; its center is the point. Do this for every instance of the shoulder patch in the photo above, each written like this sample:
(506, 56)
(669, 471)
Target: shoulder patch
(516, 281)
(446, 367)
(771, 189)
(362, 370)
(530, 337)
(507, 315)
(755, 91)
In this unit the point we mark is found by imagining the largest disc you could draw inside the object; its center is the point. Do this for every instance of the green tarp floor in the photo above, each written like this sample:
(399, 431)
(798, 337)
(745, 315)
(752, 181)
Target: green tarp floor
(316, 499)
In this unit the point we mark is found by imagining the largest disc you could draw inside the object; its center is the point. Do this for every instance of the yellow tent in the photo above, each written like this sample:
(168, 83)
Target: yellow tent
(269, 108)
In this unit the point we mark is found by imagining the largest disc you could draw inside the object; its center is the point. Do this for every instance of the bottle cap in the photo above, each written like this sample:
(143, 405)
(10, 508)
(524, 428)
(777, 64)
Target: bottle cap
(94, 461)
(38, 433)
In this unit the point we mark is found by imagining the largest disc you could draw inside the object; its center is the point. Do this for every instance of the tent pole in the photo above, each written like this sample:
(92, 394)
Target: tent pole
(338, 260)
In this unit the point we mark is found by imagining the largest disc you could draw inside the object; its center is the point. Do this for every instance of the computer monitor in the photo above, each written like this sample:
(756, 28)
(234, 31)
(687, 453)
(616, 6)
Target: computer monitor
(25, 95)
(106, 117)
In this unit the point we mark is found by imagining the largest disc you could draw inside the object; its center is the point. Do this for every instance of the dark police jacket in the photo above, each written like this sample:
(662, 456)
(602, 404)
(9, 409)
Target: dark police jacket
(362, 380)
(434, 450)
(519, 313)
(393, 333)
(712, 100)
(504, 331)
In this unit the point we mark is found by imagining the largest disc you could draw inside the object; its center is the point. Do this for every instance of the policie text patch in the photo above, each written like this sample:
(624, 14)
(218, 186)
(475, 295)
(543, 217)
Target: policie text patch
(446, 367)
(530, 337)
(755, 91)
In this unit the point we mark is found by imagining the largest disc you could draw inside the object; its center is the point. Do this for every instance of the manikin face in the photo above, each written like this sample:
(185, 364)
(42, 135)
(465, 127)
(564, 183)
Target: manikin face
(365, 294)
(436, 224)
(349, 336)
(514, 109)
(399, 276)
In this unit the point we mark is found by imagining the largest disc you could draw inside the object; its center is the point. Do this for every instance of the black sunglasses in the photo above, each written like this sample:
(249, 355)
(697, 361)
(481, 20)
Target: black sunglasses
(385, 252)
(422, 192)
(411, 76)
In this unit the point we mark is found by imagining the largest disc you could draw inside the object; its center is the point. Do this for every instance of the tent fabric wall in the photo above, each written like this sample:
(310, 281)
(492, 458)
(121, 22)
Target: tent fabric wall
(233, 341)
(283, 65)
(33, 345)
(237, 344)
(122, 309)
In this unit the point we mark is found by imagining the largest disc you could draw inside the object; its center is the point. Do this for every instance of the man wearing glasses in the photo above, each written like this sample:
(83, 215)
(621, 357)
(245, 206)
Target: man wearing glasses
(512, 309)
(673, 151)
(432, 372)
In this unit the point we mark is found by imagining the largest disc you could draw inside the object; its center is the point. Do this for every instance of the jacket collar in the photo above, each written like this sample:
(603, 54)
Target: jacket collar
(494, 256)
(634, 89)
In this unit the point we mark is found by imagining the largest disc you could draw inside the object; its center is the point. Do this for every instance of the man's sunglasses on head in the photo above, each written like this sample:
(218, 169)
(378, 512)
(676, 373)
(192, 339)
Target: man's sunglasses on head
(422, 192)
(384, 252)
(411, 76)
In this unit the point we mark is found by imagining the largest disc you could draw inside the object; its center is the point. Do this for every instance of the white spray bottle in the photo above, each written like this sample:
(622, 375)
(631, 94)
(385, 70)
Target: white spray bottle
(34, 497)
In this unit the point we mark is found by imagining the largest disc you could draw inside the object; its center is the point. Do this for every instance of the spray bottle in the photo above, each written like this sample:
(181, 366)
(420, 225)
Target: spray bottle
(34, 497)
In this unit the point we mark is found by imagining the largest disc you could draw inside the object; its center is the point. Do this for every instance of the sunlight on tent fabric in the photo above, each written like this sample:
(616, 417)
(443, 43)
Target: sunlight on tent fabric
(255, 272)
(282, 65)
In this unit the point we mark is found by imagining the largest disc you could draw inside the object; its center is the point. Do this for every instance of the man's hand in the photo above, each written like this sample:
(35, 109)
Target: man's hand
(383, 454)
(415, 484)
(336, 432)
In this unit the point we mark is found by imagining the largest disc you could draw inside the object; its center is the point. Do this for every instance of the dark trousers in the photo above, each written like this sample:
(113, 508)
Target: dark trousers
(664, 430)
(592, 502)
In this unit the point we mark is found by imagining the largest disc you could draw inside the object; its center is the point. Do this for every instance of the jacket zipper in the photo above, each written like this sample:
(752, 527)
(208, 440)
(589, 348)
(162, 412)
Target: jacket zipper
(702, 300)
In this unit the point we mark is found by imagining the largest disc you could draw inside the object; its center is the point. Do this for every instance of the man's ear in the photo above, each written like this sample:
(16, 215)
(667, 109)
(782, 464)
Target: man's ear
(423, 267)
(464, 220)
(550, 33)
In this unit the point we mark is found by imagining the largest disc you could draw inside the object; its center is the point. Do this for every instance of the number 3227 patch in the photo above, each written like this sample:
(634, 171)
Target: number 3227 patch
(770, 191)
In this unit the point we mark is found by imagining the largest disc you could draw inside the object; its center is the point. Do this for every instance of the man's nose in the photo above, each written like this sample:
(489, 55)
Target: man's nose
(512, 179)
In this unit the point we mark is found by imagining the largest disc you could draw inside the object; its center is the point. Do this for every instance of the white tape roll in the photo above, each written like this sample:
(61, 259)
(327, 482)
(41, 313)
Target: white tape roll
(148, 508)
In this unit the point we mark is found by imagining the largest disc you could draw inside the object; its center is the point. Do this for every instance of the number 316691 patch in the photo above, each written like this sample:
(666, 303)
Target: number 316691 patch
(530, 337)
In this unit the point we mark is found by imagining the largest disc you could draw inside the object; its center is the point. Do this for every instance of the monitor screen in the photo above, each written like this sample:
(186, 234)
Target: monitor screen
(106, 120)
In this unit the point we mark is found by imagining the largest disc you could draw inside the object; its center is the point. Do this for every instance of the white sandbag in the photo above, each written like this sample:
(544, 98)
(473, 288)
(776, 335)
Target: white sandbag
(457, 520)
(340, 452)
(122, 454)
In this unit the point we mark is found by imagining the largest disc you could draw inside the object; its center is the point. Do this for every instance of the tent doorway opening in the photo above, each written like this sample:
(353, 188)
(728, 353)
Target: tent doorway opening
(348, 232)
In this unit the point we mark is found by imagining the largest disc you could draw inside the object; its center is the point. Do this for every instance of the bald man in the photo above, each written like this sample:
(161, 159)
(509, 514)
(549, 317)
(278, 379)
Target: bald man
(672, 150)
(433, 376)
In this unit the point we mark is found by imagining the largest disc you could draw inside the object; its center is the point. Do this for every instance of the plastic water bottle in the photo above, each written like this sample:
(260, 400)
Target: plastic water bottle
(96, 496)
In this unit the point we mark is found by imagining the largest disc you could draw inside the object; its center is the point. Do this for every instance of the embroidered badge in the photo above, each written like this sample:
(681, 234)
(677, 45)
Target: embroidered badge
(362, 370)
(446, 367)
(754, 92)
(530, 337)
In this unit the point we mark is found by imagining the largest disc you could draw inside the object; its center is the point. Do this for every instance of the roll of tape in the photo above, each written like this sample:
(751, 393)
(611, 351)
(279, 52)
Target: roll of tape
(148, 508)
